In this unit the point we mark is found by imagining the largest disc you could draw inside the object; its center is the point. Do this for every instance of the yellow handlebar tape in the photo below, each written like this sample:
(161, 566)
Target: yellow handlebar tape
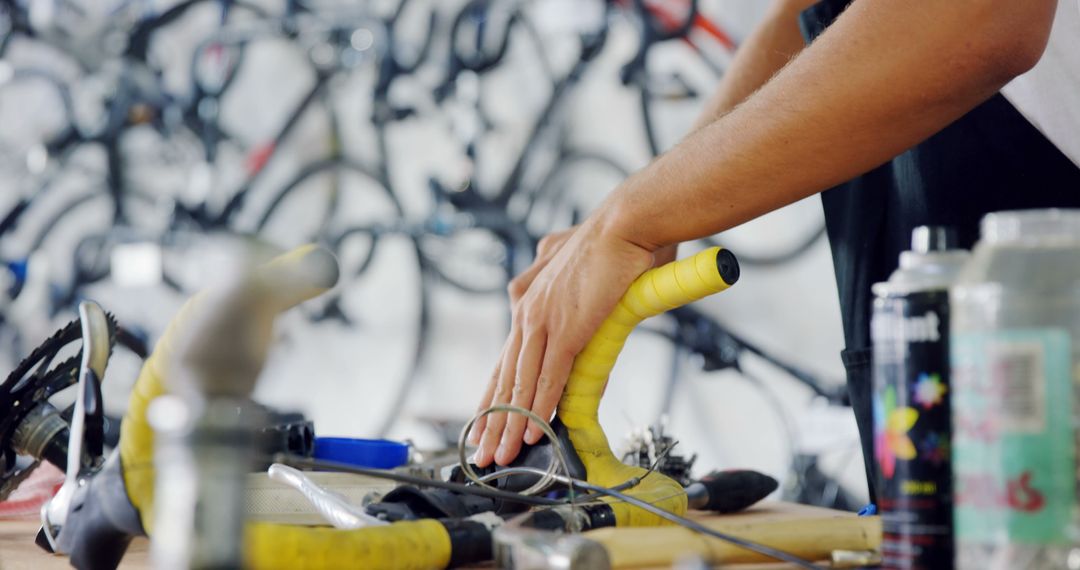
(656, 291)
(426, 543)
(413, 545)
(293, 277)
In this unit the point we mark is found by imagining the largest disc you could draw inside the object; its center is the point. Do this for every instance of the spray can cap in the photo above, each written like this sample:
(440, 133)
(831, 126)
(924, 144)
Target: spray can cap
(925, 239)
(932, 262)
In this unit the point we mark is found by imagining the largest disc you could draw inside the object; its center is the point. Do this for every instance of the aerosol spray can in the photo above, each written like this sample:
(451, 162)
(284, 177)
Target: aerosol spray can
(912, 424)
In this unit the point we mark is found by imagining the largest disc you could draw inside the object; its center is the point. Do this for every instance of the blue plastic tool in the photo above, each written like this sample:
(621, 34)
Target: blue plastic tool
(374, 453)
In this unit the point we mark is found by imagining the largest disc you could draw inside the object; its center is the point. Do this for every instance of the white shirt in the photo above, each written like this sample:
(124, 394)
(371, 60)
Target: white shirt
(1049, 94)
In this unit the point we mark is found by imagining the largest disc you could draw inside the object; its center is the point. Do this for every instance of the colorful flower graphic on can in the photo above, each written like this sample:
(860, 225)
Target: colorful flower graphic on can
(891, 427)
(929, 391)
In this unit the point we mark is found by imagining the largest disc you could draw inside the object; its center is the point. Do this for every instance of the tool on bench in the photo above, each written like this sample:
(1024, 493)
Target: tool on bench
(577, 421)
(333, 507)
(616, 494)
(30, 426)
(88, 420)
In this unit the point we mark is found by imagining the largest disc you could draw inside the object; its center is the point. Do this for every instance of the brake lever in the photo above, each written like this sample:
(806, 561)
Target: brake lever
(88, 412)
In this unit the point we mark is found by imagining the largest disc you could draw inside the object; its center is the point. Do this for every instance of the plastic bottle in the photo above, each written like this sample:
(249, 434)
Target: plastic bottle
(1015, 346)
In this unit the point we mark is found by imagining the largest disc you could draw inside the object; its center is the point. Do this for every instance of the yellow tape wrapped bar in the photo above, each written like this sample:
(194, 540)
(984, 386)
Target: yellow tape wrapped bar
(655, 292)
(426, 544)
(408, 545)
(417, 545)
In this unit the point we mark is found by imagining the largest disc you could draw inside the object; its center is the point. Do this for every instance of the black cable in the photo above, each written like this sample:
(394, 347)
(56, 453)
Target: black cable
(698, 527)
(296, 461)
(304, 462)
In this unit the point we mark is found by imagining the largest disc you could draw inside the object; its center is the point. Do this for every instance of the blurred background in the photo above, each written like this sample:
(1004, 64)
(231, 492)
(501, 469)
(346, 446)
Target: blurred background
(429, 144)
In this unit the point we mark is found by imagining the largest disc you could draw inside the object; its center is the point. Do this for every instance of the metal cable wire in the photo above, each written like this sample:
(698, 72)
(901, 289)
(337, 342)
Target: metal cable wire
(613, 492)
(698, 527)
(298, 461)
(547, 477)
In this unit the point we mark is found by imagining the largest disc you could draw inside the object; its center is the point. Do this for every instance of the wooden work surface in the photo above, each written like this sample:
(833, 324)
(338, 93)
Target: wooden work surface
(18, 551)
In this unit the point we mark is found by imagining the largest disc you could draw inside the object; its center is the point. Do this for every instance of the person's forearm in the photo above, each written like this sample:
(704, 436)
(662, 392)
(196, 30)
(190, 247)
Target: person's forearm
(772, 44)
(885, 76)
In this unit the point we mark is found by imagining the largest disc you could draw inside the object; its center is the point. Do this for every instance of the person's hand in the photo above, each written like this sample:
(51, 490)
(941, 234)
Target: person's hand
(558, 304)
(550, 245)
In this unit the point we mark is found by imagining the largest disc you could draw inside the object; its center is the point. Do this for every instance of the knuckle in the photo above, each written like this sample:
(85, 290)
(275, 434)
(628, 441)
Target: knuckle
(545, 383)
(516, 288)
(531, 328)
(502, 394)
(533, 315)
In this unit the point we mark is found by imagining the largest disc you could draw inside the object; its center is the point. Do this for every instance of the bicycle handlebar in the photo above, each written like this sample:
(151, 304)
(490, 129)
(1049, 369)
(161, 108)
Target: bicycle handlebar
(429, 543)
(655, 292)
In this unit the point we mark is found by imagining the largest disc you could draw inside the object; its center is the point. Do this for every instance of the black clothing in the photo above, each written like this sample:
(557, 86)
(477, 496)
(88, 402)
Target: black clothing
(991, 159)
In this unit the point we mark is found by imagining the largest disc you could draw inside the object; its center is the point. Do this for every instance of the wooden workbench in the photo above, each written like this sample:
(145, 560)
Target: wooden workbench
(18, 551)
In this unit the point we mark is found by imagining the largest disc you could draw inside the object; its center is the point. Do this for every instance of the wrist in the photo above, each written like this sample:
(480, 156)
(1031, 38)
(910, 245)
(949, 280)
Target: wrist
(617, 219)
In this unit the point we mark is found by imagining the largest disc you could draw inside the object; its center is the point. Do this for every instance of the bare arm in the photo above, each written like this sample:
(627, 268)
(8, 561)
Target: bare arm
(885, 76)
(771, 45)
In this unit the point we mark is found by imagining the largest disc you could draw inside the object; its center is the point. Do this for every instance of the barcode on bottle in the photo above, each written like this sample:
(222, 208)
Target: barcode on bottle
(1018, 374)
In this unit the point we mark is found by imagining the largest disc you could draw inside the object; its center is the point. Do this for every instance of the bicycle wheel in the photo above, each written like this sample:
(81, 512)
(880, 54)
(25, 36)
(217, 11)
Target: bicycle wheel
(373, 326)
(36, 110)
(475, 260)
(672, 93)
(572, 189)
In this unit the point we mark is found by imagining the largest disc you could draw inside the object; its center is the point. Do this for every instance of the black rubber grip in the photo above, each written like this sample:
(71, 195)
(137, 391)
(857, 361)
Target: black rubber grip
(470, 542)
(733, 491)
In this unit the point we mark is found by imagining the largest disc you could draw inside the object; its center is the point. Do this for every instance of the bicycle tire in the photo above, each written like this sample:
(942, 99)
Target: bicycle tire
(335, 299)
(569, 158)
(512, 231)
(315, 169)
(449, 278)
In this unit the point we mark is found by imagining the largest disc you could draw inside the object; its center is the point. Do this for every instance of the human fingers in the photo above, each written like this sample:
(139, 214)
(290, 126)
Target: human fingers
(528, 368)
(485, 403)
(489, 439)
(519, 285)
(546, 249)
(665, 255)
(489, 395)
(558, 360)
(550, 244)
